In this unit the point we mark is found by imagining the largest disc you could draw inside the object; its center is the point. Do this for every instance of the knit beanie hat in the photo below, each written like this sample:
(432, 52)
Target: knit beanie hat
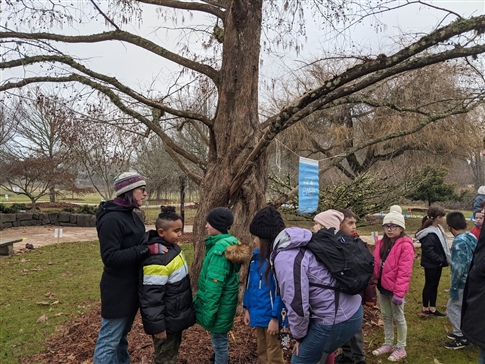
(267, 223)
(220, 219)
(395, 216)
(127, 181)
(330, 219)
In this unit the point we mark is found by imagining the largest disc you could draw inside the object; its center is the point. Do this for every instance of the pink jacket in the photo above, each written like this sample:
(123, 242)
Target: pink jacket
(396, 273)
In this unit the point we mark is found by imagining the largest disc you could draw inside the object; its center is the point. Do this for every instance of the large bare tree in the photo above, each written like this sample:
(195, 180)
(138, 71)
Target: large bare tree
(234, 173)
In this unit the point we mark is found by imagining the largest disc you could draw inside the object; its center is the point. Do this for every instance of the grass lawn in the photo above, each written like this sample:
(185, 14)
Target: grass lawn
(61, 282)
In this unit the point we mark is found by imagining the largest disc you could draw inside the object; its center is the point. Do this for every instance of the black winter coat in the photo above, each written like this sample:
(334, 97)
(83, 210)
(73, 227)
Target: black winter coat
(432, 253)
(164, 289)
(473, 314)
(120, 231)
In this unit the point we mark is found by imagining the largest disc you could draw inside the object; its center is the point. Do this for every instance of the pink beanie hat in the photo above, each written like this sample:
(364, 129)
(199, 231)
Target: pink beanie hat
(330, 219)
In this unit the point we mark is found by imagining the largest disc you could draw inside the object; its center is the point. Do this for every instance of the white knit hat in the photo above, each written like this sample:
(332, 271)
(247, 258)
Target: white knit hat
(395, 216)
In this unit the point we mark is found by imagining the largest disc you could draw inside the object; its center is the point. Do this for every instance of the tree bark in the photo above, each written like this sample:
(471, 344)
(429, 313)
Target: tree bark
(235, 131)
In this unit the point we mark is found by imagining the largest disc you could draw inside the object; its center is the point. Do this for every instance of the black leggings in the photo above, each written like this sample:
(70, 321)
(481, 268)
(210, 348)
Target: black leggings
(431, 282)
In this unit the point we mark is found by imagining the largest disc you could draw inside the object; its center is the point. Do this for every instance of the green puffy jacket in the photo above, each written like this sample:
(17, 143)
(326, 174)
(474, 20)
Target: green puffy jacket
(216, 299)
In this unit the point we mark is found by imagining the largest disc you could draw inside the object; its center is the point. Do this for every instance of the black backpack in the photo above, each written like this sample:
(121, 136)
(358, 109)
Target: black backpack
(349, 262)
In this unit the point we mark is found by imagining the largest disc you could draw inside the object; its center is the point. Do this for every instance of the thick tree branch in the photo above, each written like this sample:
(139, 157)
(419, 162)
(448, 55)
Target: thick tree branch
(212, 7)
(124, 37)
(115, 99)
(372, 72)
(110, 80)
(338, 159)
(195, 177)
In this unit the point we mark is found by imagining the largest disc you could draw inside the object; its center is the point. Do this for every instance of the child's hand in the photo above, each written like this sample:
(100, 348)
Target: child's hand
(273, 327)
(161, 335)
(246, 317)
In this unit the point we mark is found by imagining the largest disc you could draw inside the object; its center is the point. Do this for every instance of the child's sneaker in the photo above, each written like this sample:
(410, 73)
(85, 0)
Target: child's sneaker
(437, 314)
(459, 343)
(398, 354)
(384, 349)
(452, 336)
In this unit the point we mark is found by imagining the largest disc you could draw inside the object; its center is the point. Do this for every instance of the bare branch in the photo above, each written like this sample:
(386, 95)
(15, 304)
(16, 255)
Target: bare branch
(338, 159)
(121, 36)
(375, 70)
(110, 80)
(213, 6)
(104, 15)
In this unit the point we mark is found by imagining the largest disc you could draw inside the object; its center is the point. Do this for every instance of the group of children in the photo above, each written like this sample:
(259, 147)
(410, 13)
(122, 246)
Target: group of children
(166, 301)
(165, 292)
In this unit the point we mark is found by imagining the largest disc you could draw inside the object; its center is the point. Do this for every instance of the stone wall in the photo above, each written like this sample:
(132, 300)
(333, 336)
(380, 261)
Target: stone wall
(61, 218)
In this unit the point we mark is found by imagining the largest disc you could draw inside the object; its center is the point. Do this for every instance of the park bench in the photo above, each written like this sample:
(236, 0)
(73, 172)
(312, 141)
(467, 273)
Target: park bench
(6, 245)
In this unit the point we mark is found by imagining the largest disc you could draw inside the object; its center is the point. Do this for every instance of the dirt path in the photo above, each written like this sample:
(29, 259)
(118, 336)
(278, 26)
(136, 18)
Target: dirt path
(40, 236)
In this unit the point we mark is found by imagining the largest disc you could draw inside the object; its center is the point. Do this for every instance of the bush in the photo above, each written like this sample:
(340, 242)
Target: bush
(86, 209)
(16, 207)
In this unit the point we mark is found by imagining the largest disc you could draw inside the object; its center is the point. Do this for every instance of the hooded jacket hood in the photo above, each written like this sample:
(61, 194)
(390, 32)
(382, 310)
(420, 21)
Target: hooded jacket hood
(237, 254)
(291, 238)
(441, 235)
(109, 206)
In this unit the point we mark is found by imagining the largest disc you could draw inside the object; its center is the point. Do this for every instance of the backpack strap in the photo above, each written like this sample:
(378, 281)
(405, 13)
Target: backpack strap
(337, 296)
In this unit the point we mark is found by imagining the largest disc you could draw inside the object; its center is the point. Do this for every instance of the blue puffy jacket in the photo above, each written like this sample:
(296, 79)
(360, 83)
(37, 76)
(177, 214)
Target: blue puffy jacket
(260, 297)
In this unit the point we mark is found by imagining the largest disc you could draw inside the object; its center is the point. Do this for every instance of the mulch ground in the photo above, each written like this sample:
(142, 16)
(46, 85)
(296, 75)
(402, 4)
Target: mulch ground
(74, 341)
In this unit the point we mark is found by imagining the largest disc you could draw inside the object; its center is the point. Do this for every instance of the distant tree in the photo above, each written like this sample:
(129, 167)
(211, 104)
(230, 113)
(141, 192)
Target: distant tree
(431, 186)
(31, 176)
(7, 124)
(102, 150)
(42, 118)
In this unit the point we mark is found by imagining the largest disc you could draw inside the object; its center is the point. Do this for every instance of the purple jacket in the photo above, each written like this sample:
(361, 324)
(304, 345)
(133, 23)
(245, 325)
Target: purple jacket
(296, 268)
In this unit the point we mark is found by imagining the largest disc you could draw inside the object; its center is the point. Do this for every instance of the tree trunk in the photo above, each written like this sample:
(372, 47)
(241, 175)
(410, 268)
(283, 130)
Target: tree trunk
(52, 194)
(235, 132)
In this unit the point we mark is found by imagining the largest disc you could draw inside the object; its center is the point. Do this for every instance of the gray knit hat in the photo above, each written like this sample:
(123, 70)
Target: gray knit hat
(127, 181)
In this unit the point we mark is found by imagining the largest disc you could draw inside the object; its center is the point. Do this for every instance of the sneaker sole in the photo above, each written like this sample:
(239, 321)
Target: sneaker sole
(451, 337)
(394, 360)
(456, 347)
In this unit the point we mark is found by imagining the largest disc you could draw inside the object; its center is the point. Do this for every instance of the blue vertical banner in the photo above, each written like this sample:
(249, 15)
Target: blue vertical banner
(308, 189)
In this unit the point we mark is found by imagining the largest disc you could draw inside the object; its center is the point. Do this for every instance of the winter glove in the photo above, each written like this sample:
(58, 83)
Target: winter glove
(397, 300)
(157, 248)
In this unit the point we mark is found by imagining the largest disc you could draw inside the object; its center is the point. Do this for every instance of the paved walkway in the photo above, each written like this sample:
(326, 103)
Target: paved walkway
(40, 236)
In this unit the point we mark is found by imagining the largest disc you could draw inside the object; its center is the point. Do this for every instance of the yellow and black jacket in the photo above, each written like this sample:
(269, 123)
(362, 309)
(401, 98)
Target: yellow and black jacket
(164, 290)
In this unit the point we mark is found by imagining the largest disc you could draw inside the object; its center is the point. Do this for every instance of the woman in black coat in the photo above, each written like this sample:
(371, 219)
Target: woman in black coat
(473, 314)
(120, 231)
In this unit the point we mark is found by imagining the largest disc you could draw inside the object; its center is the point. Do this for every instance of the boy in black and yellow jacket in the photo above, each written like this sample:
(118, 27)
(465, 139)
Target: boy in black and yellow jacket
(165, 293)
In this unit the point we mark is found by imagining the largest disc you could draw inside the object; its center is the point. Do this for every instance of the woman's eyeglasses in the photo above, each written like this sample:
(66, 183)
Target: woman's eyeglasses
(389, 227)
(143, 189)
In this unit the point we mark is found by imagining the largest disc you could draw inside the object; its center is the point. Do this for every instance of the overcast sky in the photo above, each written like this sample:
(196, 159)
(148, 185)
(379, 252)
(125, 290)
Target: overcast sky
(139, 69)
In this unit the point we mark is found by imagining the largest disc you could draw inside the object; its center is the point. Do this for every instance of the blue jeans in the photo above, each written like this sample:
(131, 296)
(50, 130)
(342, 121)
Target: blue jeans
(112, 344)
(220, 346)
(481, 358)
(326, 338)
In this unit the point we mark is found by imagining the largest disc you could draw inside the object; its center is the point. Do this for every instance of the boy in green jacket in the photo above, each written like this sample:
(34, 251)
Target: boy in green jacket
(218, 286)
